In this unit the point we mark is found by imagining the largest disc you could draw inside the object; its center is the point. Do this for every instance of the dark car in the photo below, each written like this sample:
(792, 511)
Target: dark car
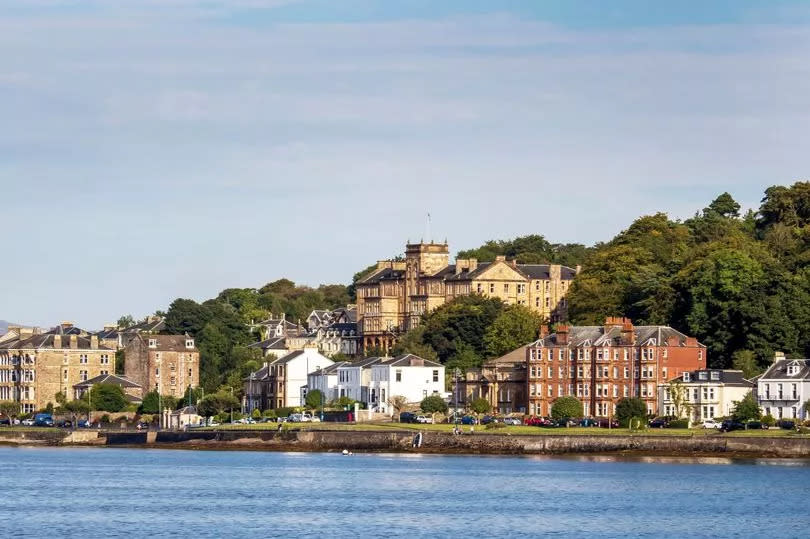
(64, 423)
(5, 421)
(730, 424)
(469, 420)
(756, 425)
(659, 423)
(587, 422)
(786, 424)
(83, 424)
(487, 419)
(43, 420)
(607, 423)
(407, 417)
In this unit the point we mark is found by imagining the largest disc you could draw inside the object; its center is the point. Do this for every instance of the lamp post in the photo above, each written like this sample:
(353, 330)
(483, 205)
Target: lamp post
(456, 374)
(231, 406)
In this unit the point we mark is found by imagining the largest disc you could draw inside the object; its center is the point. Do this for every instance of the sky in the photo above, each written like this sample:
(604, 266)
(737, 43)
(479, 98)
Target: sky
(155, 149)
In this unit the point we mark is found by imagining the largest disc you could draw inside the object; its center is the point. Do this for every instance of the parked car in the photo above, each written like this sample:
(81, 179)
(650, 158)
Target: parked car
(605, 423)
(730, 424)
(64, 423)
(786, 424)
(407, 417)
(424, 419)
(28, 422)
(756, 425)
(282, 419)
(659, 423)
(487, 419)
(535, 421)
(43, 420)
(295, 418)
(5, 421)
(83, 424)
(511, 421)
(587, 422)
(711, 424)
(306, 418)
(469, 420)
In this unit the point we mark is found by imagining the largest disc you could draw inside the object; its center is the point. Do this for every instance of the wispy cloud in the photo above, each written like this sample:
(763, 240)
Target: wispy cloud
(151, 130)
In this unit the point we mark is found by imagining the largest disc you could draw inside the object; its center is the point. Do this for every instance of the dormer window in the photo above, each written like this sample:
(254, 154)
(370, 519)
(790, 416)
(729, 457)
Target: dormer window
(715, 375)
(686, 377)
(703, 376)
(189, 343)
(792, 370)
(152, 343)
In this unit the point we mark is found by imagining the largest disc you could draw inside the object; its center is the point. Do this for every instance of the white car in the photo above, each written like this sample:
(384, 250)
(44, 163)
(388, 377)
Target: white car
(711, 424)
(424, 419)
(28, 422)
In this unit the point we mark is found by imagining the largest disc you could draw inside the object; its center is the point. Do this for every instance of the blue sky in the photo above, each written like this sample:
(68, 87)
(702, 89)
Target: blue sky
(155, 149)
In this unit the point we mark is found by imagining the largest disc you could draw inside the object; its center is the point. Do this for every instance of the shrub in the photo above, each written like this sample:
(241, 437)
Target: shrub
(637, 423)
(494, 425)
(105, 418)
(768, 420)
(628, 408)
(256, 414)
(565, 407)
(678, 424)
(284, 411)
(271, 414)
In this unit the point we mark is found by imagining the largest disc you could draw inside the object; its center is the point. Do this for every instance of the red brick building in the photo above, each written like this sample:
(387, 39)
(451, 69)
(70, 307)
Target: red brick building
(602, 364)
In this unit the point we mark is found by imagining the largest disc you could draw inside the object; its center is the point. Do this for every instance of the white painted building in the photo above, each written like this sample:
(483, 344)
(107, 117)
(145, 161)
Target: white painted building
(783, 389)
(707, 394)
(326, 380)
(408, 376)
(354, 379)
(282, 382)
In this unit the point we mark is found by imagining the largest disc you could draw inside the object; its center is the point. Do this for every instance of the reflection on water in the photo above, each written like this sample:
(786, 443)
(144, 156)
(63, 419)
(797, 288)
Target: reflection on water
(109, 492)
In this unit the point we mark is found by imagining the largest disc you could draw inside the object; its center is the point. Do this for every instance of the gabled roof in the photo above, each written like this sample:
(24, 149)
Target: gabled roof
(410, 360)
(778, 370)
(46, 341)
(727, 377)
(331, 369)
(365, 362)
(274, 343)
(106, 379)
(597, 336)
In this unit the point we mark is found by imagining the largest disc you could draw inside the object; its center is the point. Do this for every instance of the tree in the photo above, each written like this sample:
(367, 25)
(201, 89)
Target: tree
(725, 206)
(463, 320)
(397, 402)
(433, 404)
(745, 361)
(10, 409)
(60, 398)
(746, 409)
(120, 362)
(629, 408)
(74, 409)
(480, 406)
(566, 407)
(413, 343)
(314, 399)
(126, 321)
(217, 403)
(679, 396)
(107, 397)
(153, 403)
(515, 326)
(256, 414)
(464, 358)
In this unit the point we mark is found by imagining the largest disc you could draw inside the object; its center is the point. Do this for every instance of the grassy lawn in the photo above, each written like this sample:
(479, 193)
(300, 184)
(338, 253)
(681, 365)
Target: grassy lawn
(20, 428)
(512, 430)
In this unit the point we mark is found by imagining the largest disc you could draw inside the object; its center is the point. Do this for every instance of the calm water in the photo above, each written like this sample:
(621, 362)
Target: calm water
(137, 493)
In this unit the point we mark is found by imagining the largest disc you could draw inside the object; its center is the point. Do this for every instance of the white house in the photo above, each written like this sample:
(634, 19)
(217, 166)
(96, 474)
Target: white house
(783, 389)
(354, 379)
(706, 394)
(326, 380)
(282, 382)
(408, 376)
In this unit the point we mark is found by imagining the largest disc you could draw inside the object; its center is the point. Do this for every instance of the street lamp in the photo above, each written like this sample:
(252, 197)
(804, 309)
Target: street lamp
(456, 374)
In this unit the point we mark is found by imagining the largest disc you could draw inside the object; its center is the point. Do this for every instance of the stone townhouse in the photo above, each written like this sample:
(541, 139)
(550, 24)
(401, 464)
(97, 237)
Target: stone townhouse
(393, 297)
(600, 365)
(118, 338)
(34, 367)
(168, 364)
(703, 394)
(501, 381)
(283, 381)
(783, 389)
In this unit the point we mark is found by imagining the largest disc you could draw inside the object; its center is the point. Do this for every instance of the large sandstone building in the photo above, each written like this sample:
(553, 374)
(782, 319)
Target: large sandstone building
(600, 365)
(35, 366)
(393, 297)
(168, 364)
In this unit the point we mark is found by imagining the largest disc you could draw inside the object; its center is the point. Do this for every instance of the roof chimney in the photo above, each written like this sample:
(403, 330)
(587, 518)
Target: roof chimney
(562, 334)
(74, 342)
(777, 356)
(57, 341)
(628, 335)
(500, 258)
(543, 331)
(94, 342)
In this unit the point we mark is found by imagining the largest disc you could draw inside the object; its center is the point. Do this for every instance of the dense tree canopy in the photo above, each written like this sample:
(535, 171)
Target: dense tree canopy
(107, 397)
(737, 283)
(532, 249)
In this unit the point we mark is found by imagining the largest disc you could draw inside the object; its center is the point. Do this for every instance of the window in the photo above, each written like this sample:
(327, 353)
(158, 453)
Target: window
(189, 343)
(173, 381)
(506, 288)
(83, 359)
(687, 377)
(715, 375)
(435, 375)
(702, 376)
(83, 376)
(479, 288)
(521, 288)
(105, 359)
(398, 375)
(152, 343)
(491, 288)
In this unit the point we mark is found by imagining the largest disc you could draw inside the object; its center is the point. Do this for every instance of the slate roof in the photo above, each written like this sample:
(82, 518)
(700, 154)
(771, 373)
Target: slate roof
(106, 379)
(726, 377)
(167, 343)
(407, 360)
(45, 341)
(778, 370)
(596, 335)
(365, 362)
(274, 343)
(331, 369)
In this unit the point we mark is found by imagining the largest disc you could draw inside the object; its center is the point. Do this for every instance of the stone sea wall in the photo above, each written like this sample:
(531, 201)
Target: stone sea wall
(433, 442)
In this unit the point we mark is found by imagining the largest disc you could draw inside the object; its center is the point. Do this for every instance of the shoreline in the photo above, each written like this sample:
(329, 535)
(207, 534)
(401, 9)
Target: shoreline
(433, 443)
